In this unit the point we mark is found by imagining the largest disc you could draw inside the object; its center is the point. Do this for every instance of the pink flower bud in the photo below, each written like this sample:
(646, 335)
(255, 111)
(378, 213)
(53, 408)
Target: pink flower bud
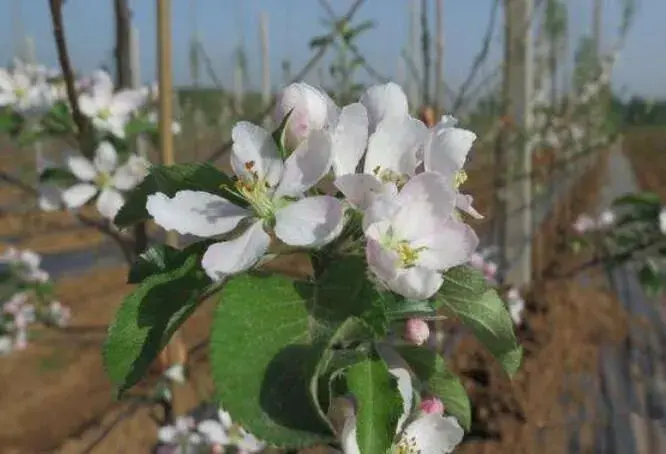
(476, 261)
(311, 109)
(432, 405)
(416, 331)
(490, 269)
(584, 224)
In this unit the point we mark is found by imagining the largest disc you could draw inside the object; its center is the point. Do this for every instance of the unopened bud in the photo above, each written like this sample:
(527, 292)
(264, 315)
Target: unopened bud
(432, 405)
(310, 110)
(490, 269)
(416, 331)
(606, 219)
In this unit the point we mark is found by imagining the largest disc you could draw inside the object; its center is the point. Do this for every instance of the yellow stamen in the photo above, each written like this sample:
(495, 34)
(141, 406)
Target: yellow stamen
(461, 177)
(407, 254)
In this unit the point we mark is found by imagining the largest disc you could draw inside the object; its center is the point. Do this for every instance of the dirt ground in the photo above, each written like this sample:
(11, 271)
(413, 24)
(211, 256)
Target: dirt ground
(55, 396)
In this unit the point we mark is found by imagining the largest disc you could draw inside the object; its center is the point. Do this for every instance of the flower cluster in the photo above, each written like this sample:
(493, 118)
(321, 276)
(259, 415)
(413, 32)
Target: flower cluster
(29, 89)
(26, 299)
(188, 436)
(390, 168)
(586, 223)
(103, 177)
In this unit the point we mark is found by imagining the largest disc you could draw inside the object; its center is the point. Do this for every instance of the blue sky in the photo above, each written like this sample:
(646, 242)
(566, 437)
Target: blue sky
(640, 70)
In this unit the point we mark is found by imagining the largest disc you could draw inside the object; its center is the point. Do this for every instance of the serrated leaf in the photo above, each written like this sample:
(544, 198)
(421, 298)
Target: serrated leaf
(378, 404)
(333, 361)
(147, 319)
(169, 180)
(438, 380)
(465, 293)
(261, 361)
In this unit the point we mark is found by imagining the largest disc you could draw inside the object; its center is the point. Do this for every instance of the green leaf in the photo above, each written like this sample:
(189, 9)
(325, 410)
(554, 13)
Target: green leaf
(638, 198)
(399, 308)
(320, 41)
(161, 258)
(465, 293)
(279, 135)
(147, 319)
(169, 180)
(650, 279)
(433, 371)
(58, 176)
(379, 404)
(343, 290)
(334, 359)
(261, 361)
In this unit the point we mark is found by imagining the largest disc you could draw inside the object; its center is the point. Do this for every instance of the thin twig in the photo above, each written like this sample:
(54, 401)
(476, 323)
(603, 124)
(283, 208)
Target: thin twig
(224, 149)
(129, 411)
(67, 71)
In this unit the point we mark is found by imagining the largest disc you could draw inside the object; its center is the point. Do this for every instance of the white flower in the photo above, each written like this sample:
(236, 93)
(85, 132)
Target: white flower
(274, 191)
(110, 111)
(102, 176)
(384, 101)
(224, 432)
(445, 152)
(175, 126)
(389, 161)
(176, 373)
(313, 110)
(583, 224)
(662, 221)
(516, 305)
(25, 264)
(6, 344)
(606, 219)
(413, 237)
(181, 433)
(429, 433)
(18, 91)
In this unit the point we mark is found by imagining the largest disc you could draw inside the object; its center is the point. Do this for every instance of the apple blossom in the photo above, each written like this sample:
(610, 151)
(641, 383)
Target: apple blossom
(445, 152)
(224, 432)
(384, 101)
(102, 176)
(274, 191)
(18, 91)
(409, 257)
(109, 111)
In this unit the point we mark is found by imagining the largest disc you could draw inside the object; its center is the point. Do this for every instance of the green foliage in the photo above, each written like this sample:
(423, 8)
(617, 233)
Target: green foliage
(150, 315)
(466, 295)
(379, 404)
(438, 380)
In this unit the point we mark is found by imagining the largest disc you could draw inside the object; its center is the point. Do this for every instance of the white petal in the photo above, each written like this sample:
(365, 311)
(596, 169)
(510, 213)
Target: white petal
(213, 431)
(416, 283)
(447, 148)
(126, 101)
(131, 173)
(87, 105)
(433, 433)
(406, 392)
(116, 126)
(6, 80)
(81, 168)
(102, 88)
(167, 434)
(225, 418)
(106, 158)
(427, 197)
(78, 195)
(254, 150)
(109, 202)
(310, 222)
(394, 144)
(348, 437)
(360, 189)
(381, 261)
(237, 255)
(306, 166)
(384, 101)
(350, 139)
(195, 212)
(451, 244)
(7, 98)
(249, 444)
(383, 206)
(50, 198)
